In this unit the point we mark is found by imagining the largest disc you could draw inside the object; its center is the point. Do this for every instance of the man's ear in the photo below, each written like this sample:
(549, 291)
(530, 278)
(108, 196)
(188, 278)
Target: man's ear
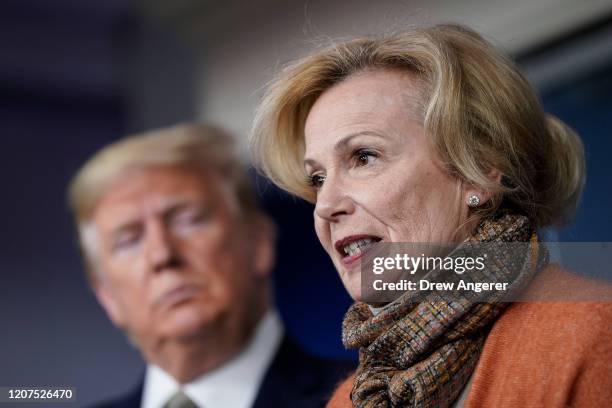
(264, 236)
(109, 303)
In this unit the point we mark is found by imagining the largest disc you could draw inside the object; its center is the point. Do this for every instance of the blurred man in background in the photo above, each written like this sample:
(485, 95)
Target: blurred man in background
(179, 255)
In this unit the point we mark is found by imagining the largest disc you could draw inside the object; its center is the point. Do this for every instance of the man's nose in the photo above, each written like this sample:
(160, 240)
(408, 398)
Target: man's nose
(159, 250)
(333, 200)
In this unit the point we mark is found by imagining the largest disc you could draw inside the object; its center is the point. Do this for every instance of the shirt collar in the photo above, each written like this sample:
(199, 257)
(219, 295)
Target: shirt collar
(234, 384)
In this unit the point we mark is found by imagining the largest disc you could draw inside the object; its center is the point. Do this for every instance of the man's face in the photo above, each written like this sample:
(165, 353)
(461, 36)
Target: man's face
(174, 257)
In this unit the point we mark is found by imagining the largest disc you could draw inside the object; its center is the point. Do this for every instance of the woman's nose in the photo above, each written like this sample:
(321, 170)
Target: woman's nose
(333, 201)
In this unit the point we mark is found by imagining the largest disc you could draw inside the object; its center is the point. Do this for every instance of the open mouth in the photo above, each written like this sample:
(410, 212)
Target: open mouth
(352, 247)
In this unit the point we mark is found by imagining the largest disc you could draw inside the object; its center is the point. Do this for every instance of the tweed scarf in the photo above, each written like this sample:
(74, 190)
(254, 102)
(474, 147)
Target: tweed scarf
(422, 353)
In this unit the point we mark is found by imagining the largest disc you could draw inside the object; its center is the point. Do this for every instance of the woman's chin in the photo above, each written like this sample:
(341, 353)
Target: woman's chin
(351, 279)
(353, 287)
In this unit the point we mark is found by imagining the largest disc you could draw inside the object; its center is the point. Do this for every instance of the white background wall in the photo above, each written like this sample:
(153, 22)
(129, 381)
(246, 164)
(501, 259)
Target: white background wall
(241, 44)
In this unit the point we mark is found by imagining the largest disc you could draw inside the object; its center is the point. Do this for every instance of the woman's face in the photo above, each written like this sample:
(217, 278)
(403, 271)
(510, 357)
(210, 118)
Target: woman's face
(376, 175)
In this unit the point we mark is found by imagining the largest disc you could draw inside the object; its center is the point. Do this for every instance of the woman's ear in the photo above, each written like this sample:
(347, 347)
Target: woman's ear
(475, 197)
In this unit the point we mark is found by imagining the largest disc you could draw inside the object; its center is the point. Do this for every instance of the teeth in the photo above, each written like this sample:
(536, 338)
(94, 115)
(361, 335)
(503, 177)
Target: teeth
(357, 247)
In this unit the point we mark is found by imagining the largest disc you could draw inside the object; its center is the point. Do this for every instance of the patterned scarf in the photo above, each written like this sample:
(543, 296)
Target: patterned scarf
(422, 353)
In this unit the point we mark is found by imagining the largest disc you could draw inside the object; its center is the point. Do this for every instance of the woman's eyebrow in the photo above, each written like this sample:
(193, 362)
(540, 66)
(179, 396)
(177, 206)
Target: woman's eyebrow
(311, 163)
(345, 140)
(342, 143)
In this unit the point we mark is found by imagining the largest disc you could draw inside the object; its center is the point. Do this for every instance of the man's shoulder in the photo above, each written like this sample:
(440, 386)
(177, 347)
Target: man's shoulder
(298, 378)
(292, 358)
(295, 378)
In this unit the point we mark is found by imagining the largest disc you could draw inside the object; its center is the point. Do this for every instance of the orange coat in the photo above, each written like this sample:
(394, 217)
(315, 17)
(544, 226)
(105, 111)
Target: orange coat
(545, 353)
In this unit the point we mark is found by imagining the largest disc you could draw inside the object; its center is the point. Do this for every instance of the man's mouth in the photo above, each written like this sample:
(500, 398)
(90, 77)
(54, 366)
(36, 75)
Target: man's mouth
(178, 295)
(353, 246)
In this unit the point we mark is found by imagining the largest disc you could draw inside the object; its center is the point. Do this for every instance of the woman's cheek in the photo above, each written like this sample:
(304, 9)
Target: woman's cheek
(322, 231)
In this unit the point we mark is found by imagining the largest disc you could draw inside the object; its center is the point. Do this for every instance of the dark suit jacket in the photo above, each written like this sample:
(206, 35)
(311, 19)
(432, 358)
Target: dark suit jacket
(295, 379)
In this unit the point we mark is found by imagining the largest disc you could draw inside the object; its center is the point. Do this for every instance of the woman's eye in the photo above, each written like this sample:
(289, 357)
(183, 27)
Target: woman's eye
(364, 156)
(316, 180)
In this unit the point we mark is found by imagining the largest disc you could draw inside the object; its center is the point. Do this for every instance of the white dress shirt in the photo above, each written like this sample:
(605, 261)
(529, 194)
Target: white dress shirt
(233, 385)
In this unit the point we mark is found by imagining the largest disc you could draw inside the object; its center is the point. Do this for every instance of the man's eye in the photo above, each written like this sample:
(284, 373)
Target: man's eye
(364, 156)
(189, 217)
(316, 180)
(125, 241)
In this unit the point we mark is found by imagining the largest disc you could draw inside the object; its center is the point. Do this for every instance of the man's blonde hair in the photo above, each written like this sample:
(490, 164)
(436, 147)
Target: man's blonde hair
(198, 146)
(478, 110)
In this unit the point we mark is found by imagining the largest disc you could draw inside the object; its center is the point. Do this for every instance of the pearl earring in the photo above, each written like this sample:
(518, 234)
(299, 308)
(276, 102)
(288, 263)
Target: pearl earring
(473, 201)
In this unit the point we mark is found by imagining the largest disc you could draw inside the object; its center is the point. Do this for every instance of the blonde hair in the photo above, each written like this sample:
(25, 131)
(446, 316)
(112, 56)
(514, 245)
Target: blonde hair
(479, 111)
(198, 146)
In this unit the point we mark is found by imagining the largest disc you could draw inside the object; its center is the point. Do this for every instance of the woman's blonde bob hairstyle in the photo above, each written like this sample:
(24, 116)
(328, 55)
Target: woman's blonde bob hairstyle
(478, 110)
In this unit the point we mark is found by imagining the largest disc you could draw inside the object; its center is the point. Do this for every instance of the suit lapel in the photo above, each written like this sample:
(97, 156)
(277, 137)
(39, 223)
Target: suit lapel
(291, 380)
